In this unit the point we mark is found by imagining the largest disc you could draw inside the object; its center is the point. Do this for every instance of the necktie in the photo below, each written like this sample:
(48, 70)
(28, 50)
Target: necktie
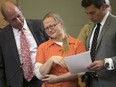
(94, 42)
(93, 48)
(26, 57)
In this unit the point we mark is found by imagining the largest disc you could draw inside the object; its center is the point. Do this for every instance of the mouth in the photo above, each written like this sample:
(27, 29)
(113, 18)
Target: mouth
(93, 21)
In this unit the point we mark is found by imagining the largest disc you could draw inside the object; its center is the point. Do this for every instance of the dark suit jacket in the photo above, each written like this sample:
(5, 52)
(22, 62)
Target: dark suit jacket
(106, 48)
(11, 74)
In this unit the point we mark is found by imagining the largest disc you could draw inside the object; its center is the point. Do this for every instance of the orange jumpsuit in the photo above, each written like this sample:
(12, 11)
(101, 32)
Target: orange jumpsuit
(50, 48)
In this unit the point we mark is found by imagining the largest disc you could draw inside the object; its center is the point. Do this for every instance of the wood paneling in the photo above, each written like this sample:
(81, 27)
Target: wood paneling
(82, 84)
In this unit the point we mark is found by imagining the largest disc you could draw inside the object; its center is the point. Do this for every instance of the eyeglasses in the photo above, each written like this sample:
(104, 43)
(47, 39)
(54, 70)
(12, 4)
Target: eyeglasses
(51, 27)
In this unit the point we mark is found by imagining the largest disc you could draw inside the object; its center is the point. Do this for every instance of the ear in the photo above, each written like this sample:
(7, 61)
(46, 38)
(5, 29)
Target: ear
(62, 23)
(104, 6)
(5, 19)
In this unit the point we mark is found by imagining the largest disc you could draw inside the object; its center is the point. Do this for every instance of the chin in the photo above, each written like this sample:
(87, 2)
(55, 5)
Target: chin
(52, 35)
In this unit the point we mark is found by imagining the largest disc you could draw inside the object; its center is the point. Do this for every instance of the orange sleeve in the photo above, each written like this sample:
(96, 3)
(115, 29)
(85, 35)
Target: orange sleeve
(40, 56)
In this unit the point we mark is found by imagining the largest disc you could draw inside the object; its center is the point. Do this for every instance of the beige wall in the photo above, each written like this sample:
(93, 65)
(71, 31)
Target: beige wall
(113, 4)
(70, 10)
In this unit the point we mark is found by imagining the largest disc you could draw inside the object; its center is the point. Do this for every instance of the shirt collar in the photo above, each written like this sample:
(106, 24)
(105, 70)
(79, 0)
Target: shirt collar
(104, 19)
(71, 41)
(25, 27)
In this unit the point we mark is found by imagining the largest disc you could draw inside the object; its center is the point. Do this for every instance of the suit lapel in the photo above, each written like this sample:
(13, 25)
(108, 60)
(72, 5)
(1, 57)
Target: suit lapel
(33, 31)
(104, 29)
(12, 44)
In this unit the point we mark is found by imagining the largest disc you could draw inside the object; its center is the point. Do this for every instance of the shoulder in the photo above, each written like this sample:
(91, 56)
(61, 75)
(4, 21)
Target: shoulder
(111, 20)
(111, 17)
(45, 44)
(86, 27)
(5, 34)
(74, 40)
(84, 30)
(5, 30)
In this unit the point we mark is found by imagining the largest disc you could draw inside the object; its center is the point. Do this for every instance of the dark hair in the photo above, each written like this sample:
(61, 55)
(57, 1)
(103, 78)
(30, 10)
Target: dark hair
(96, 3)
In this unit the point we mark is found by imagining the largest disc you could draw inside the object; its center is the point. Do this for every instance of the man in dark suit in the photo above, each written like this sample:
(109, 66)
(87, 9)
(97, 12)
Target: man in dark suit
(11, 73)
(104, 60)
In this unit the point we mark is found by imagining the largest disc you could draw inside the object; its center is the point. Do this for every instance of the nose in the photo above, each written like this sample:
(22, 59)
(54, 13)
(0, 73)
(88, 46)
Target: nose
(17, 19)
(90, 17)
(50, 29)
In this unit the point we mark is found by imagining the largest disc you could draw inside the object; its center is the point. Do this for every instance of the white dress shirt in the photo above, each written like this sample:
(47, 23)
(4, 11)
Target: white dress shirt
(30, 39)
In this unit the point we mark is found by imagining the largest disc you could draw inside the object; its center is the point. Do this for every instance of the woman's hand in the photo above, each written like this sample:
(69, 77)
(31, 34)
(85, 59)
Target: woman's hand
(58, 60)
(50, 78)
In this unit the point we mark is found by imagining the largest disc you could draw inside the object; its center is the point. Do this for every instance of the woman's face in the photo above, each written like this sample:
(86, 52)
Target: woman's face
(52, 28)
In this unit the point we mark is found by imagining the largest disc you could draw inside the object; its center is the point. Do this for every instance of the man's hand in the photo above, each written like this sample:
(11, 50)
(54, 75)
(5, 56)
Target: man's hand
(96, 65)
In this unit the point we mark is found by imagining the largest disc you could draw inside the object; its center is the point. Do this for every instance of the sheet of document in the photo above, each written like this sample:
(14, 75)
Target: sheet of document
(78, 63)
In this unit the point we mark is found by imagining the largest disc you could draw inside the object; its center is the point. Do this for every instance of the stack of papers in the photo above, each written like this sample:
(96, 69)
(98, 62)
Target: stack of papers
(78, 63)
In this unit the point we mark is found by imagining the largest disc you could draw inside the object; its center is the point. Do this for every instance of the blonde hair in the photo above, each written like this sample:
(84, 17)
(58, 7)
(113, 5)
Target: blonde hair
(55, 16)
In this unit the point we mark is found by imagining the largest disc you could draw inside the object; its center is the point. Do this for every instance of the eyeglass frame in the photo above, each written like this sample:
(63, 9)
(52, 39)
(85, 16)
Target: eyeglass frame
(51, 27)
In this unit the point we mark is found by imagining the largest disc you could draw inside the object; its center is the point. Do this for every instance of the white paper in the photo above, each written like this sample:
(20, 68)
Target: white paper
(78, 63)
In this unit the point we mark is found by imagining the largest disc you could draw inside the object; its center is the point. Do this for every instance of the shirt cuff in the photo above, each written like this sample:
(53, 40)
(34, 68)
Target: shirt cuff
(81, 74)
(109, 64)
(36, 70)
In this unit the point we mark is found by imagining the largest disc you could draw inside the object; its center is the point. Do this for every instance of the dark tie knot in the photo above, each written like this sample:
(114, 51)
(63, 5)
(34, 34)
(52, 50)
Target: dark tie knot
(98, 24)
(22, 29)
